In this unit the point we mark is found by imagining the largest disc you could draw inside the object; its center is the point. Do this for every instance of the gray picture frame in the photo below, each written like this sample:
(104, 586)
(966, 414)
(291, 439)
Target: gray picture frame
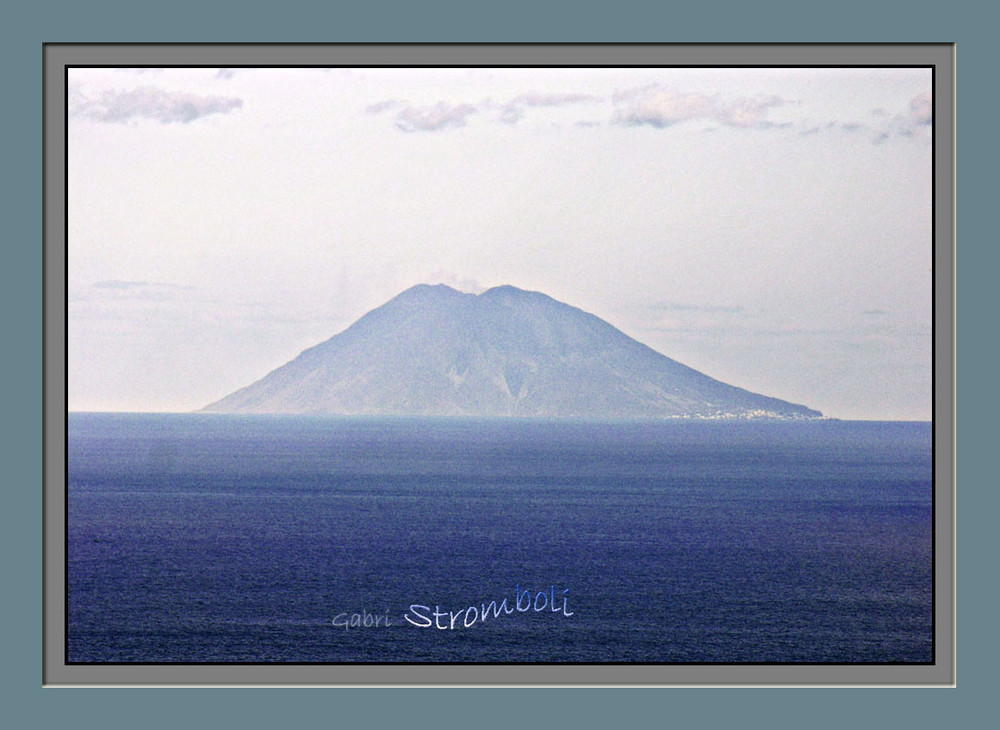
(58, 57)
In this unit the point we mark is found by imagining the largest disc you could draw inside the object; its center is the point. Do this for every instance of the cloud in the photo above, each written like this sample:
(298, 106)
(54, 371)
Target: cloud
(682, 307)
(433, 118)
(922, 110)
(668, 316)
(462, 283)
(749, 111)
(410, 118)
(915, 121)
(836, 126)
(383, 106)
(655, 105)
(851, 126)
(149, 102)
(874, 312)
(131, 285)
(116, 284)
(661, 106)
(538, 99)
(141, 70)
(512, 111)
(510, 114)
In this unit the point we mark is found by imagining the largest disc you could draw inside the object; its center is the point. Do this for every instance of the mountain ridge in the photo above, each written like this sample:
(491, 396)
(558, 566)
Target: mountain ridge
(433, 350)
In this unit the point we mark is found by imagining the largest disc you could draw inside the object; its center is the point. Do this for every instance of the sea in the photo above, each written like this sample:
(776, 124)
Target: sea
(252, 539)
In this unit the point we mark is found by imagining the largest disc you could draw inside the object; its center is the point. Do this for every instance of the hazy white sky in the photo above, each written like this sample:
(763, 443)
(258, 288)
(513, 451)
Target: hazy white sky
(769, 227)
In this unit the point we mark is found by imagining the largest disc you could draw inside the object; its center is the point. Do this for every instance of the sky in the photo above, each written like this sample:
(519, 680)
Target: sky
(769, 227)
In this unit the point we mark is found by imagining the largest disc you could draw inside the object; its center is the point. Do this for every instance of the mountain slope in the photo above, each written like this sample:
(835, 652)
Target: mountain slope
(433, 350)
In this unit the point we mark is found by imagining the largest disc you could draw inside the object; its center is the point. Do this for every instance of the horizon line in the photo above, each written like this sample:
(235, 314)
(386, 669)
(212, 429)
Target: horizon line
(200, 412)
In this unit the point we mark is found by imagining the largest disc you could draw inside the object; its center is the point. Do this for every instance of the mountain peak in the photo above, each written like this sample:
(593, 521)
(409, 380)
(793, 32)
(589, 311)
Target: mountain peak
(433, 350)
(430, 290)
(505, 289)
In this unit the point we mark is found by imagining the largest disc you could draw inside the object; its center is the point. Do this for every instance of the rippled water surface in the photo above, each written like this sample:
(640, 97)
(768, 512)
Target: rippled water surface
(219, 538)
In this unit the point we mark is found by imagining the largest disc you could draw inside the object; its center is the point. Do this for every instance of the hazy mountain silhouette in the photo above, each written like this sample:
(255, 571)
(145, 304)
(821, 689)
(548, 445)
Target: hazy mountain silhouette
(433, 350)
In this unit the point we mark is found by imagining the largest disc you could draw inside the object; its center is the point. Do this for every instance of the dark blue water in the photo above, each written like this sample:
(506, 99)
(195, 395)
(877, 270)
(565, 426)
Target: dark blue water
(209, 538)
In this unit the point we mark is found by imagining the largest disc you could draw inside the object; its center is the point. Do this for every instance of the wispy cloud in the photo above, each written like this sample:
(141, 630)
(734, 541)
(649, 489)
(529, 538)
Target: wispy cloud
(512, 111)
(149, 102)
(384, 106)
(661, 106)
(654, 105)
(683, 307)
(133, 285)
(117, 284)
(433, 118)
(749, 111)
(837, 126)
(672, 316)
(536, 98)
(121, 292)
(913, 121)
(443, 115)
(922, 110)
(916, 119)
(455, 281)
(141, 70)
